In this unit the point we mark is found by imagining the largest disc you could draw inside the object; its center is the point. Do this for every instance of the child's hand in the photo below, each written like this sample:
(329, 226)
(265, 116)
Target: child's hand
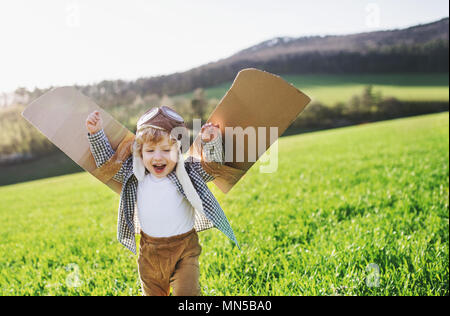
(94, 122)
(210, 132)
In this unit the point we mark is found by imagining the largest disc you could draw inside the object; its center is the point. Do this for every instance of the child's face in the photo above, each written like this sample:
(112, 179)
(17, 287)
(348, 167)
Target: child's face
(160, 158)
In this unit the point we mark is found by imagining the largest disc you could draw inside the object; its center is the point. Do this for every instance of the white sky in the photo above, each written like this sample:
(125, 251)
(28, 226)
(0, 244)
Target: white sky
(65, 42)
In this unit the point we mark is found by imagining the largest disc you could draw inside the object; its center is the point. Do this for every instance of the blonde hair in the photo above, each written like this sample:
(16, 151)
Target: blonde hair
(150, 135)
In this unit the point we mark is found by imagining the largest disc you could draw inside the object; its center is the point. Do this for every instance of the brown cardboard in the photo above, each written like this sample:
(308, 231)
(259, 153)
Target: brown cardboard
(61, 114)
(256, 99)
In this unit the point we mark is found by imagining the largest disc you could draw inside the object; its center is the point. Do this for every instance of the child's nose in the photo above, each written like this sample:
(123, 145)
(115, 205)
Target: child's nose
(158, 154)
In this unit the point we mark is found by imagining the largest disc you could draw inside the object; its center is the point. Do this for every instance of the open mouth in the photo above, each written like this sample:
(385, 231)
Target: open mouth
(159, 168)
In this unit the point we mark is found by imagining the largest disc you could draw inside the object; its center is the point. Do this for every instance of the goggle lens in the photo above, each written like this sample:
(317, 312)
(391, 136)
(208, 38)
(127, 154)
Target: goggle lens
(148, 116)
(173, 115)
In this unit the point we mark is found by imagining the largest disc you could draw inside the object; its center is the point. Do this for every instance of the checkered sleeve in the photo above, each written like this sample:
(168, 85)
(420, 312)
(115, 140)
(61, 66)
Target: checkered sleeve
(126, 168)
(100, 147)
(102, 151)
(212, 151)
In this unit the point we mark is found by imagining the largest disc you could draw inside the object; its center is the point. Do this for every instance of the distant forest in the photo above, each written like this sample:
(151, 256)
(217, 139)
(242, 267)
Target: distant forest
(427, 58)
(419, 49)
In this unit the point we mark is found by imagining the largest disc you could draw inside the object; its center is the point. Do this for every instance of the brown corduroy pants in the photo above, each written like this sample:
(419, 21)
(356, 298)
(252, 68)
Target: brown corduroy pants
(166, 262)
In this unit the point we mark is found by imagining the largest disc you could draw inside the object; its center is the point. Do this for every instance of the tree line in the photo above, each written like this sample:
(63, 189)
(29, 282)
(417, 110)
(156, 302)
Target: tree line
(19, 141)
(430, 57)
(363, 108)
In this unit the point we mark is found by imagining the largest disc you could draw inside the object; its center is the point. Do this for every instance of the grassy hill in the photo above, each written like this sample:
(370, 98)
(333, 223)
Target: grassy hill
(330, 89)
(361, 210)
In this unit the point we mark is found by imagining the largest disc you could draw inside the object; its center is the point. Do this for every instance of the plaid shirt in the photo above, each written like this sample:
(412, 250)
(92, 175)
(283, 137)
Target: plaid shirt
(128, 223)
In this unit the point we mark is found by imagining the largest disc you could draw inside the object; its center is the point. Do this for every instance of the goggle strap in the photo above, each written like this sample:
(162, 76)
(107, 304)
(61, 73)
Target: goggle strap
(147, 126)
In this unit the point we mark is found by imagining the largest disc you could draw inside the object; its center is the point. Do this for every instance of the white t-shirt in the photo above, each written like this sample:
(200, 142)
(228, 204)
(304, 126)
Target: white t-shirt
(162, 210)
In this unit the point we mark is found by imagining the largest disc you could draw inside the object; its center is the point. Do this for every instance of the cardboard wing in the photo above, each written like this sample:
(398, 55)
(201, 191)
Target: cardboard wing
(60, 115)
(256, 99)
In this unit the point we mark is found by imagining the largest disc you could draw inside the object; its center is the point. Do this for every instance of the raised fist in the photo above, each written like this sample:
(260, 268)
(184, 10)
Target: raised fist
(210, 132)
(94, 122)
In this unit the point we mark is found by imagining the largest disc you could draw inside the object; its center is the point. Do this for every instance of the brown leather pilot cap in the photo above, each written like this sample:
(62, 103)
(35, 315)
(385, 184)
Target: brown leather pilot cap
(163, 117)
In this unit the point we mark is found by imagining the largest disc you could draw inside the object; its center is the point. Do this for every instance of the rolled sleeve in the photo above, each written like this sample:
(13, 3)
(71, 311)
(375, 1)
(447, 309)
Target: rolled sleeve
(213, 150)
(97, 137)
(100, 147)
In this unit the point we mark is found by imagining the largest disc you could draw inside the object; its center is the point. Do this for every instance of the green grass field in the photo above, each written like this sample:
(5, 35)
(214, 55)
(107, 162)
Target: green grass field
(343, 204)
(330, 89)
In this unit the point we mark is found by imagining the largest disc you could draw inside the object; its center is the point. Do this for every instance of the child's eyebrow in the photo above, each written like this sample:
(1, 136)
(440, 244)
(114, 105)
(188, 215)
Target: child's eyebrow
(153, 146)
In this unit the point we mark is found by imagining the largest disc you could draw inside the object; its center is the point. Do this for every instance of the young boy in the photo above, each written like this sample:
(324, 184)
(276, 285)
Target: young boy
(172, 199)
